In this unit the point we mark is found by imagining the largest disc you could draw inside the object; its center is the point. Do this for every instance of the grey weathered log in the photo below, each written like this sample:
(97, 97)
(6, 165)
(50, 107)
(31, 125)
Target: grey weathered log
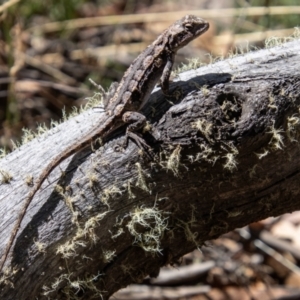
(227, 154)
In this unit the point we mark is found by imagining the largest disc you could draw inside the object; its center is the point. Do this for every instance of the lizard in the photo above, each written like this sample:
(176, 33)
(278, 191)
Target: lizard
(154, 64)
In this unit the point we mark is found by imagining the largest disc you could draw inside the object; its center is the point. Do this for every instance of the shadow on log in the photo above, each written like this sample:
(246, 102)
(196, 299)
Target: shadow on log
(226, 154)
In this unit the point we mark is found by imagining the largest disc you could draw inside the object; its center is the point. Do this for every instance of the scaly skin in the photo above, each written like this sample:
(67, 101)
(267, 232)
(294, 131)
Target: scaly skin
(153, 64)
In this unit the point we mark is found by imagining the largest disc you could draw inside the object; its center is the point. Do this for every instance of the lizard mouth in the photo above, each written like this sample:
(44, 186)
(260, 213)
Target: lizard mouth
(199, 30)
(203, 28)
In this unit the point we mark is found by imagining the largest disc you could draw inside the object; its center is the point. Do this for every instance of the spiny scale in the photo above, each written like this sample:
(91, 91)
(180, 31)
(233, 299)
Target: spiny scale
(154, 63)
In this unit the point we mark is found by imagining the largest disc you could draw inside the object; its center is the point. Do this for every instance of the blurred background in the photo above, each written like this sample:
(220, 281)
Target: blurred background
(50, 49)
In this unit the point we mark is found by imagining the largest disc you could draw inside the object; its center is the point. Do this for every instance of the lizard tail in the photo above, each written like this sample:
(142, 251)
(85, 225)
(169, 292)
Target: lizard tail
(49, 168)
(20, 218)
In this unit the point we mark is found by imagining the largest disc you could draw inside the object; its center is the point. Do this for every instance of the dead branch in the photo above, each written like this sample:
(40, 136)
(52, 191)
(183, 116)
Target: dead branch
(226, 154)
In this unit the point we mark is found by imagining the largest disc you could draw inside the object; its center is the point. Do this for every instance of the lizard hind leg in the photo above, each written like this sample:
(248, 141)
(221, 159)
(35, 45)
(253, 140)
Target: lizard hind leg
(137, 121)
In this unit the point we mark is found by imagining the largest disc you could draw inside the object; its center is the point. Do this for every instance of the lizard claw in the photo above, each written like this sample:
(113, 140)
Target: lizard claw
(140, 142)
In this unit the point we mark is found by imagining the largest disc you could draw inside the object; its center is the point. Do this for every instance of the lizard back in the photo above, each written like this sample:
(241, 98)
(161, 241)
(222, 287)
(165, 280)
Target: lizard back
(153, 63)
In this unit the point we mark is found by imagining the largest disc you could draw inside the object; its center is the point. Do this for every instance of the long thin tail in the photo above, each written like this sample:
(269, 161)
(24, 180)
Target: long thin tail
(50, 167)
(21, 216)
(102, 130)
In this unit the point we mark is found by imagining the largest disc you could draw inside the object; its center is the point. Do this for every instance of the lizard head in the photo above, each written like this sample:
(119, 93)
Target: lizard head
(185, 30)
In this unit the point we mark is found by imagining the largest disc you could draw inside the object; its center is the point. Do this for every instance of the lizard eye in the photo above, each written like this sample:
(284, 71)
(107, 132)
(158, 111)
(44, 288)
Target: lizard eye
(188, 25)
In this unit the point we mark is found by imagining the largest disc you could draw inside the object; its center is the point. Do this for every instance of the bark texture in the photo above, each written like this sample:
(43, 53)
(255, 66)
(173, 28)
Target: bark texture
(226, 154)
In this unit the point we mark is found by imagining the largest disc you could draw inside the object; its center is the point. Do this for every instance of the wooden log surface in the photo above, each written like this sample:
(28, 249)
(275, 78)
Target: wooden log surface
(226, 154)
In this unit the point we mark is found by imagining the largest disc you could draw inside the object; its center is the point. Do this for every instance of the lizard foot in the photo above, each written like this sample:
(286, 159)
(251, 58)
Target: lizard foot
(176, 93)
(140, 142)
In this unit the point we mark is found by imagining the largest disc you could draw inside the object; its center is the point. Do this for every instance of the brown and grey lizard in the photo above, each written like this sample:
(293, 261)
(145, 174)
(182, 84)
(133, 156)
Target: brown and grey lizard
(153, 64)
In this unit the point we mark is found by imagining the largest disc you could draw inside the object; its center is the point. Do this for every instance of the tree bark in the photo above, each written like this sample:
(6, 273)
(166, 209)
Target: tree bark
(226, 153)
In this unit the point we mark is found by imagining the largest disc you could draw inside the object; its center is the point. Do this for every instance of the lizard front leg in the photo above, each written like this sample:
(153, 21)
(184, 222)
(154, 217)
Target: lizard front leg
(164, 79)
